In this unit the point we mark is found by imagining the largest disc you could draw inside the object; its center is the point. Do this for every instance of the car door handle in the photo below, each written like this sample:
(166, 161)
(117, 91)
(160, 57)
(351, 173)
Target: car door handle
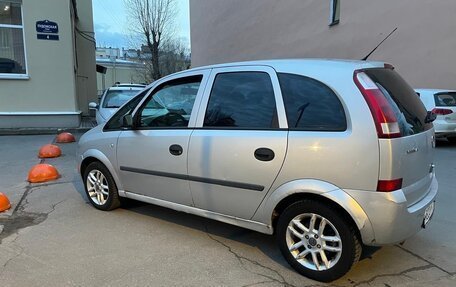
(176, 149)
(264, 154)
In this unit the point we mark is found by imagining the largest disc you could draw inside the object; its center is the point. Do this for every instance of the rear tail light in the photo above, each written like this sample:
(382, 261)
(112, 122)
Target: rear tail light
(381, 110)
(442, 112)
(389, 185)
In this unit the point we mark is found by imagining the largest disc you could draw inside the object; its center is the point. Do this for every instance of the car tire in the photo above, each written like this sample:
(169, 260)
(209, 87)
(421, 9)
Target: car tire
(452, 140)
(101, 190)
(325, 252)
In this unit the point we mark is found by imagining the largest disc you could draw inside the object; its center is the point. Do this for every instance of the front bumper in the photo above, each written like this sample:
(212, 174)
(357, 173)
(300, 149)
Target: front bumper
(392, 219)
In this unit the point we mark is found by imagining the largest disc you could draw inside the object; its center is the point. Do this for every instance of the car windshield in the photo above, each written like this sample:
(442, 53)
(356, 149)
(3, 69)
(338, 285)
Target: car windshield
(116, 98)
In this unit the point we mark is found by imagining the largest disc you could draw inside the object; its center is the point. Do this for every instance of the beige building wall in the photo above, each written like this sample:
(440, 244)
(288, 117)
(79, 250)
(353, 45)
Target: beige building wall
(86, 78)
(56, 76)
(123, 73)
(422, 49)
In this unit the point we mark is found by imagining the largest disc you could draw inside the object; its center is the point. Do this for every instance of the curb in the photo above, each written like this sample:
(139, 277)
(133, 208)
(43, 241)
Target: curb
(41, 131)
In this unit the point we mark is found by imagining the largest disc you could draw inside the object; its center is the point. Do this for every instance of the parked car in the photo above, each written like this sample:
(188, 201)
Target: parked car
(443, 104)
(325, 154)
(129, 85)
(112, 99)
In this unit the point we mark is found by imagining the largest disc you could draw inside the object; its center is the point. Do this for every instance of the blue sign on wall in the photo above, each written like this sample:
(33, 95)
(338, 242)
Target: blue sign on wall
(47, 26)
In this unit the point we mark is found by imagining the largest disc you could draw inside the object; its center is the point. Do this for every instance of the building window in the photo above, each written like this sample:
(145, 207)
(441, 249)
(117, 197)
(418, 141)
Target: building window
(334, 14)
(12, 51)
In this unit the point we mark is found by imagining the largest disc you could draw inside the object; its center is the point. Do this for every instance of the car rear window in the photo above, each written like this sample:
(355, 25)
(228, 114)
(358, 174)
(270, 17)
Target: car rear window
(445, 99)
(311, 105)
(410, 111)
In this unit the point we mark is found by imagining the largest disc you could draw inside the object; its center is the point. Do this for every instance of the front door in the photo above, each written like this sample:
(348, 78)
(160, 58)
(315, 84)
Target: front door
(238, 148)
(152, 158)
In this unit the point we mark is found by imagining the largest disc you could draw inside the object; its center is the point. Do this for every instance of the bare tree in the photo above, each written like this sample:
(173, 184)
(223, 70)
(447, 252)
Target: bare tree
(175, 56)
(153, 20)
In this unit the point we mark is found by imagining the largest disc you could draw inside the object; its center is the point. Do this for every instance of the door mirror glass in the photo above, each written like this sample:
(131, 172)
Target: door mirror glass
(93, 106)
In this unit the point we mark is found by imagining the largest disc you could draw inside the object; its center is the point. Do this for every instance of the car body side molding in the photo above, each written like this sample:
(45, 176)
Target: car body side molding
(228, 183)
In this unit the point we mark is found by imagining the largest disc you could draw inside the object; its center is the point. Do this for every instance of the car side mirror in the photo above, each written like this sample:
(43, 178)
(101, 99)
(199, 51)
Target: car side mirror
(93, 106)
(430, 117)
(127, 121)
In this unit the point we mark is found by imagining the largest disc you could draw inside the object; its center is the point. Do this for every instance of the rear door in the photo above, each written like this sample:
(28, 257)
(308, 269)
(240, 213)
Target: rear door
(410, 156)
(239, 145)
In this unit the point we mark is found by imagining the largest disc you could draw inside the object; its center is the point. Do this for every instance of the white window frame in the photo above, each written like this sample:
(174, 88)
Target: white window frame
(17, 76)
(333, 12)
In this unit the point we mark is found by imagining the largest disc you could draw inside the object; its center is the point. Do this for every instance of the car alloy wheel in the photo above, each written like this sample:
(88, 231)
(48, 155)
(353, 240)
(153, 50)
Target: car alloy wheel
(314, 241)
(318, 239)
(100, 187)
(97, 187)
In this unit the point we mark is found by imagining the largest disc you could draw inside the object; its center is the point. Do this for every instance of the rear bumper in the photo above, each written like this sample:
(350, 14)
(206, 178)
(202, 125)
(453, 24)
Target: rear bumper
(444, 128)
(392, 220)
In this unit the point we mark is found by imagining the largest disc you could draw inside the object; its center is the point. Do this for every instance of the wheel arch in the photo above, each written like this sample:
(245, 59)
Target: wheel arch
(287, 201)
(96, 156)
(320, 191)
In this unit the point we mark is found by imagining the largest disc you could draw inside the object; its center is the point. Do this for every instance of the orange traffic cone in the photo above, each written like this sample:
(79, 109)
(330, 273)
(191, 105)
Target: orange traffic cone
(65, 138)
(4, 202)
(42, 172)
(49, 151)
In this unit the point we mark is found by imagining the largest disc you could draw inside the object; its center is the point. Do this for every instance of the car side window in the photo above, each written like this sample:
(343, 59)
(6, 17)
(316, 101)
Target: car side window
(311, 105)
(171, 104)
(115, 123)
(242, 100)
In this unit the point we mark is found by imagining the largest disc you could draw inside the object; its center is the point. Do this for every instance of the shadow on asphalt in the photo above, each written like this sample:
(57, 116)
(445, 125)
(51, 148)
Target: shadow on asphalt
(444, 143)
(265, 243)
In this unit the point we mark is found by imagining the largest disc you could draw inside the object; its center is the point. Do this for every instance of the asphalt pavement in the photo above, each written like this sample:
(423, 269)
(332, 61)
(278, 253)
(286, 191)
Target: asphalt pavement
(52, 236)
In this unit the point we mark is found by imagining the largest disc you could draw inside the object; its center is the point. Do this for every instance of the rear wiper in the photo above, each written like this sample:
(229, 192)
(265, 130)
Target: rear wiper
(430, 117)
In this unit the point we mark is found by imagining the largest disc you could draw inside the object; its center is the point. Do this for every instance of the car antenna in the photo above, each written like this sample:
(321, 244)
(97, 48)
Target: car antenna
(365, 58)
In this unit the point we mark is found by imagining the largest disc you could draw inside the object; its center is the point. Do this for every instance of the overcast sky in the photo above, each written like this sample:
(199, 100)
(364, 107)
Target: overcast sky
(111, 23)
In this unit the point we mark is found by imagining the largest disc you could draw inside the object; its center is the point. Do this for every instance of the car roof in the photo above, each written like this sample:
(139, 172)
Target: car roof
(283, 63)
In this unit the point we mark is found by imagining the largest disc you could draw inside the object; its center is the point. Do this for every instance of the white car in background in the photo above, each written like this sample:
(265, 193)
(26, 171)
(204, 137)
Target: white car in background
(443, 104)
(112, 99)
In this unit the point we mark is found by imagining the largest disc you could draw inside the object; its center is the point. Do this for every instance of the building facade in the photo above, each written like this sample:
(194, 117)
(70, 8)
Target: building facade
(422, 48)
(119, 71)
(47, 62)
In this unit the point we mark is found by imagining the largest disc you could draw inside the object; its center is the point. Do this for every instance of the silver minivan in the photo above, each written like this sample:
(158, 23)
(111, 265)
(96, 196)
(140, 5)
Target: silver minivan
(327, 155)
